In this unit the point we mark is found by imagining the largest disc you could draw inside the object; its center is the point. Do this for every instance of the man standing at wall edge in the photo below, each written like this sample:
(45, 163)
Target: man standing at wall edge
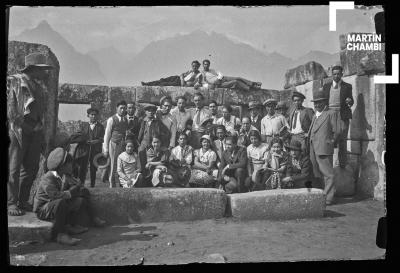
(25, 129)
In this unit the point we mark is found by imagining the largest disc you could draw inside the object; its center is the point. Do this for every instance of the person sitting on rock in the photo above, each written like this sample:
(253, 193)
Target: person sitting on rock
(256, 154)
(189, 78)
(59, 200)
(128, 166)
(233, 165)
(232, 123)
(299, 168)
(157, 164)
(204, 169)
(212, 79)
(181, 160)
(274, 167)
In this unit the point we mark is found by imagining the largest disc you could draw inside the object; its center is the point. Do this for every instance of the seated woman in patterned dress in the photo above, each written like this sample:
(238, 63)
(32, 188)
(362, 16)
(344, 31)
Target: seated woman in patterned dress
(256, 154)
(127, 167)
(180, 161)
(157, 164)
(204, 170)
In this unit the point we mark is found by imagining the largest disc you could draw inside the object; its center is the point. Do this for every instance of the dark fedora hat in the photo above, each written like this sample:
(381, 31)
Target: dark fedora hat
(319, 96)
(270, 101)
(91, 110)
(298, 94)
(37, 60)
(294, 145)
(100, 161)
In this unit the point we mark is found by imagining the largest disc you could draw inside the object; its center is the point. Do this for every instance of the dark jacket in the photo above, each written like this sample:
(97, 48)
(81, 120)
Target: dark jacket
(345, 92)
(157, 127)
(85, 134)
(306, 115)
(239, 160)
(299, 174)
(50, 188)
(323, 133)
(257, 124)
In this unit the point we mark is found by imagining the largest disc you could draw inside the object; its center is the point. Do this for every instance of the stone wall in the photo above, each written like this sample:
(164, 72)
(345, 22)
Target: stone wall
(16, 60)
(366, 132)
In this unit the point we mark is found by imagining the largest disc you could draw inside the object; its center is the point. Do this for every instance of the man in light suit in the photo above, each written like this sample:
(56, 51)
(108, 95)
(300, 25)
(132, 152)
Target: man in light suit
(322, 135)
(340, 100)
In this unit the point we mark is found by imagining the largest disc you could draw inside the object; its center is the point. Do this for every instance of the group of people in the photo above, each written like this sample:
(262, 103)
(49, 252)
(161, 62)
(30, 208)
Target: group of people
(168, 147)
(208, 78)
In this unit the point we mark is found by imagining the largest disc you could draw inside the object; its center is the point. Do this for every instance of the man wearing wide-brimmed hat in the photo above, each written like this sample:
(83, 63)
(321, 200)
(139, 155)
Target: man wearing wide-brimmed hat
(323, 135)
(25, 128)
(272, 123)
(300, 119)
(255, 114)
(89, 137)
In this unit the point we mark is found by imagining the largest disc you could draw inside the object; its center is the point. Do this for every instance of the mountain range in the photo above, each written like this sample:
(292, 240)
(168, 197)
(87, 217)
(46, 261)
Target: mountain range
(168, 57)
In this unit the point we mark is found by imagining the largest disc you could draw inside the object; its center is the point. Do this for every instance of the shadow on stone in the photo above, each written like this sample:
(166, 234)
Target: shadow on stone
(332, 214)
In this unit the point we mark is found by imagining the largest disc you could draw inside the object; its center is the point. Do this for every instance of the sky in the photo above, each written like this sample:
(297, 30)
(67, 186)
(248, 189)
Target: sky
(289, 30)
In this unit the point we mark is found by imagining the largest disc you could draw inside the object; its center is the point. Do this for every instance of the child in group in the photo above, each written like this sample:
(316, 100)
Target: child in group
(275, 165)
(256, 154)
(181, 160)
(127, 167)
(157, 162)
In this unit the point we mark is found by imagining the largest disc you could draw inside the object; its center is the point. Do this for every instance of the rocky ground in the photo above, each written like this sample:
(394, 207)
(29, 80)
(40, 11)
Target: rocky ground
(348, 231)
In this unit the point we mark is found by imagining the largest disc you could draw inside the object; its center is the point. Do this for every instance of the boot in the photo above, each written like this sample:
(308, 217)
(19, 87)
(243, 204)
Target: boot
(65, 239)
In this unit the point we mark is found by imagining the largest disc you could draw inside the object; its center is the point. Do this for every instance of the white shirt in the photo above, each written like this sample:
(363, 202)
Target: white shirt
(298, 129)
(317, 114)
(230, 124)
(107, 134)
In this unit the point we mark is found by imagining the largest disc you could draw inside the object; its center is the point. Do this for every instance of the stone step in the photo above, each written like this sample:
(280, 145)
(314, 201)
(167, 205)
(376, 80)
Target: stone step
(280, 204)
(28, 228)
(141, 205)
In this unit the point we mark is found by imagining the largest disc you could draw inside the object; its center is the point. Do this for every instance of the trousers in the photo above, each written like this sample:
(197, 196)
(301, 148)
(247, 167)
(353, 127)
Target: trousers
(240, 175)
(323, 168)
(115, 149)
(83, 163)
(23, 166)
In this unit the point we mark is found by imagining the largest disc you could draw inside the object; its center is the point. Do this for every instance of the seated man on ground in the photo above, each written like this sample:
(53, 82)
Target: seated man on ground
(189, 78)
(298, 170)
(204, 169)
(157, 164)
(256, 154)
(232, 123)
(232, 170)
(212, 79)
(62, 200)
(181, 161)
(128, 166)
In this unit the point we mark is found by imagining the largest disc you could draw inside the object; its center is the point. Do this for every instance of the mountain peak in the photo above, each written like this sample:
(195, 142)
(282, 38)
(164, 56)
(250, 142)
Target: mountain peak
(44, 25)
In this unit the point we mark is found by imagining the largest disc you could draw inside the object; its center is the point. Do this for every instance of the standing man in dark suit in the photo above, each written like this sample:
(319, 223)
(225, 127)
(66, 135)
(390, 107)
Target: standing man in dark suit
(151, 126)
(300, 119)
(255, 114)
(340, 97)
(133, 124)
(233, 164)
(89, 138)
(322, 135)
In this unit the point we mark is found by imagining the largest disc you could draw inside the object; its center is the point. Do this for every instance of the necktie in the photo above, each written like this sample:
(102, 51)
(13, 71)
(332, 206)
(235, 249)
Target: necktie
(182, 154)
(198, 117)
(294, 120)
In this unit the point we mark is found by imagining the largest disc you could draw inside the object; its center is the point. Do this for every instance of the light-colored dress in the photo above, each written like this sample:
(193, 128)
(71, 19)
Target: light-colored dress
(256, 156)
(127, 169)
(200, 178)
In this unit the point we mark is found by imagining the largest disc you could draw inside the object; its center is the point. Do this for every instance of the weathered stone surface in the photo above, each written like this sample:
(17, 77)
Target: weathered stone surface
(277, 204)
(344, 181)
(122, 206)
(362, 62)
(310, 71)
(354, 147)
(16, 60)
(28, 228)
(73, 93)
(215, 258)
(240, 97)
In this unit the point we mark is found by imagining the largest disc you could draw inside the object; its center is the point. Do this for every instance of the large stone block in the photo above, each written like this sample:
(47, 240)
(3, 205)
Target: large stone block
(232, 96)
(277, 204)
(310, 71)
(153, 94)
(28, 228)
(79, 93)
(122, 206)
(362, 62)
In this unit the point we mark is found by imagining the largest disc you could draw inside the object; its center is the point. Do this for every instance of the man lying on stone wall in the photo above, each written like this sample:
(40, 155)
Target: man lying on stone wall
(212, 78)
(189, 78)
